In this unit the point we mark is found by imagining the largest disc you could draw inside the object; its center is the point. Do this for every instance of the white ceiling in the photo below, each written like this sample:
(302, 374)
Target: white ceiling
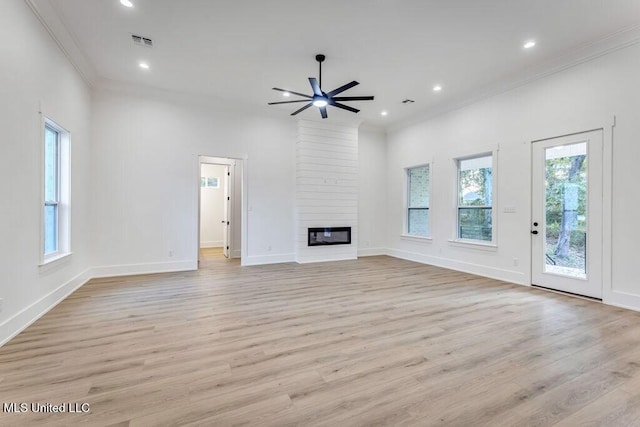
(397, 49)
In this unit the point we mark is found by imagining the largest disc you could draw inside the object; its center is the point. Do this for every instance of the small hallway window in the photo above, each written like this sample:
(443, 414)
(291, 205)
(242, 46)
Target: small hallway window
(56, 206)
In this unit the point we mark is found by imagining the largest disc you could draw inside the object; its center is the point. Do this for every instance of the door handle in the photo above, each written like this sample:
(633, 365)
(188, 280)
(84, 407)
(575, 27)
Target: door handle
(534, 231)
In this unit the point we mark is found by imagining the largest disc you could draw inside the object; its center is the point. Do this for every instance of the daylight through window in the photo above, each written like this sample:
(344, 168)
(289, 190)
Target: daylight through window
(418, 201)
(475, 198)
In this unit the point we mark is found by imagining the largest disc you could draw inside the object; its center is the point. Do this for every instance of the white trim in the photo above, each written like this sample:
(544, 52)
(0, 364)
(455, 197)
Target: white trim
(144, 268)
(268, 259)
(412, 238)
(609, 295)
(371, 252)
(25, 317)
(63, 199)
(68, 45)
(493, 152)
(232, 162)
(623, 300)
(610, 43)
(329, 259)
(54, 259)
(405, 199)
(510, 276)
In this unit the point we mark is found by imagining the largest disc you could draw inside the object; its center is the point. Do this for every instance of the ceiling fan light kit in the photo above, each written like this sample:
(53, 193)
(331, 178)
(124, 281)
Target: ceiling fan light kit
(322, 99)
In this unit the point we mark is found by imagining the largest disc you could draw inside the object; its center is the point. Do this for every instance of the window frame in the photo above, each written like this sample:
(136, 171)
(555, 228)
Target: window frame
(55, 201)
(407, 198)
(494, 202)
(62, 192)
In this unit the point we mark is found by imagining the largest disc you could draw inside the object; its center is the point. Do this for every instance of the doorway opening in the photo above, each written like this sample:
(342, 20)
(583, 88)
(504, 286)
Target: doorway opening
(219, 209)
(566, 228)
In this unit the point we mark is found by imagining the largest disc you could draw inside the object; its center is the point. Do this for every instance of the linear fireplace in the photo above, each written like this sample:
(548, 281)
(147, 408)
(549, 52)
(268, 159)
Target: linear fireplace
(329, 236)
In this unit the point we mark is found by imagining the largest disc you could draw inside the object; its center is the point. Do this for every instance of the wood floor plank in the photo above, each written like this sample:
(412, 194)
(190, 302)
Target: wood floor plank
(377, 341)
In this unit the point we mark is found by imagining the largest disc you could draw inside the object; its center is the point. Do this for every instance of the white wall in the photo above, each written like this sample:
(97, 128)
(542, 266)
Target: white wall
(212, 211)
(578, 99)
(145, 169)
(372, 194)
(33, 70)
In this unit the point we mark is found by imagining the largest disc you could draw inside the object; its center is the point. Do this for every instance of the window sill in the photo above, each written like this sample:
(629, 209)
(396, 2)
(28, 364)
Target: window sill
(415, 238)
(54, 260)
(474, 244)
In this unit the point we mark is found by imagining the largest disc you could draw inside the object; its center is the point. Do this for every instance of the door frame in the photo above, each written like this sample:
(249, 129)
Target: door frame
(590, 286)
(233, 163)
(607, 125)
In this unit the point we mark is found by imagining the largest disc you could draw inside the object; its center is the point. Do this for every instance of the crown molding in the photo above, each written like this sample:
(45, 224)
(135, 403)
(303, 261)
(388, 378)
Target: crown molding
(590, 51)
(51, 21)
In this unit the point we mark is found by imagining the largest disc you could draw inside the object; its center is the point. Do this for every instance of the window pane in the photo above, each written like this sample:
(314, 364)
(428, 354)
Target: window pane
(50, 228)
(566, 215)
(476, 185)
(418, 222)
(419, 187)
(50, 164)
(474, 223)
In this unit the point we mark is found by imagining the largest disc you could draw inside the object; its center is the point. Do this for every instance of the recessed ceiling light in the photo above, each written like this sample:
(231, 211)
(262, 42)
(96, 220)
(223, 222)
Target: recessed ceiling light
(437, 88)
(529, 44)
(126, 3)
(143, 65)
(384, 113)
(286, 94)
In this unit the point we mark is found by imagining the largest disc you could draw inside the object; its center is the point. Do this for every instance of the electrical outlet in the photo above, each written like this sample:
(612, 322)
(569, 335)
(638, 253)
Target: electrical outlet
(170, 254)
(515, 262)
(269, 248)
(1, 304)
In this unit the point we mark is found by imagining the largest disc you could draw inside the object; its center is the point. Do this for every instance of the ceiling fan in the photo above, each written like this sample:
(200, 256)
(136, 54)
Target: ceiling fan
(321, 99)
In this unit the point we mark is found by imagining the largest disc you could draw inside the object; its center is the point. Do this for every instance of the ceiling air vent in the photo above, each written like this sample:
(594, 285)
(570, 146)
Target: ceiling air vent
(141, 41)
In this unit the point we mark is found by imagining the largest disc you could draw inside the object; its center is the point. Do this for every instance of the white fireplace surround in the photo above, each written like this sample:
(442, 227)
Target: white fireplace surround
(326, 187)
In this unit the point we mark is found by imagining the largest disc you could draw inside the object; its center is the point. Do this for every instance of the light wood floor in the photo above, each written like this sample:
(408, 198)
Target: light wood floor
(378, 341)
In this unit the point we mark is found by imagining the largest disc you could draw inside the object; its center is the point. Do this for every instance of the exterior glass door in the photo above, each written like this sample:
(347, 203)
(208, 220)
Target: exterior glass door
(567, 214)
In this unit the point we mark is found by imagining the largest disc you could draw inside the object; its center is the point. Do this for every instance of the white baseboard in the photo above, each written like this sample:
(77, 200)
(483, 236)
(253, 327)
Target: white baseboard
(465, 267)
(20, 321)
(314, 260)
(267, 259)
(623, 300)
(211, 244)
(371, 252)
(236, 253)
(147, 268)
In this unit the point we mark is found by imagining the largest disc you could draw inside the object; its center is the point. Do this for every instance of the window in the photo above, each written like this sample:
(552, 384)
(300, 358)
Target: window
(475, 198)
(418, 201)
(56, 194)
(209, 182)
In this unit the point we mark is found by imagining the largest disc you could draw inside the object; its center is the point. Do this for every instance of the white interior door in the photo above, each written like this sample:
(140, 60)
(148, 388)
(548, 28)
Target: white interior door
(566, 224)
(226, 228)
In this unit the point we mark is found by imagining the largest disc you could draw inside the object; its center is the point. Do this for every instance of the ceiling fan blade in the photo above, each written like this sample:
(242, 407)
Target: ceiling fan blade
(302, 109)
(353, 98)
(315, 86)
(287, 102)
(344, 107)
(323, 112)
(342, 88)
(292, 92)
